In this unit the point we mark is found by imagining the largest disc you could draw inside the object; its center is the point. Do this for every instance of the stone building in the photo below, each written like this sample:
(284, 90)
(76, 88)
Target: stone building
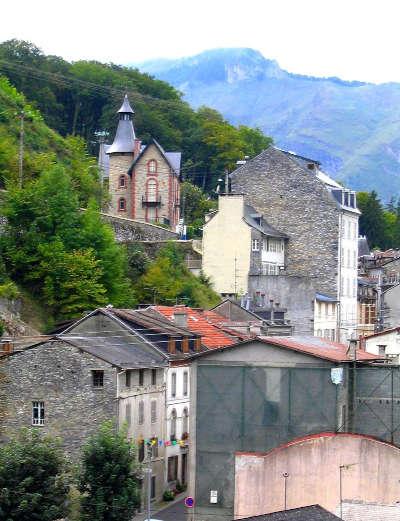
(320, 219)
(143, 179)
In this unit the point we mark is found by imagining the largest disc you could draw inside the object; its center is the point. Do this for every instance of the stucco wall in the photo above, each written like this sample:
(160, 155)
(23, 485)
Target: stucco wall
(227, 247)
(313, 468)
(59, 375)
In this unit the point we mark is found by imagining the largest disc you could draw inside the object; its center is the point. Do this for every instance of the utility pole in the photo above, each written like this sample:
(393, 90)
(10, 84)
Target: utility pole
(21, 147)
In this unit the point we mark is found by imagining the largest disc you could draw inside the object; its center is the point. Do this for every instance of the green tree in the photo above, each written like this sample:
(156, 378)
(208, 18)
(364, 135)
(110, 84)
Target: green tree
(109, 481)
(33, 479)
(168, 280)
(195, 205)
(372, 220)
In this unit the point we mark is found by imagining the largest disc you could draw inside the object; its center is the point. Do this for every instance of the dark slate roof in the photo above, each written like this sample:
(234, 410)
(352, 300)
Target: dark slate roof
(126, 107)
(250, 216)
(121, 351)
(172, 158)
(321, 297)
(310, 513)
(124, 138)
(301, 160)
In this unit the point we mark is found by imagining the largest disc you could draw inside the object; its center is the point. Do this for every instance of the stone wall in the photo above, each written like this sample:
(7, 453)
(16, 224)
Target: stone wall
(294, 201)
(296, 294)
(59, 375)
(119, 165)
(129, 230)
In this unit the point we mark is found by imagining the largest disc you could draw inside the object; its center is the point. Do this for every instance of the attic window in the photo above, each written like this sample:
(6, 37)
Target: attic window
(310, 166)
(152, 166)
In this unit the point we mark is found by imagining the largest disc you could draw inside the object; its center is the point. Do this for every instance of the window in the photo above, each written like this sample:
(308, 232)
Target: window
(255, 245)
(185, 421)
(141, 377)
(141, 451)
(122, 204)
(269, 268)
(154, 377)
(382, 350)
(154, 447)
(173, 425)
(151, 189)
(185, 383)
(37, 413)
(153, 487)
(153, 411)
(128, 416)
(173, 468)
(98, 378)
(152, 166)
(173, 385)
(122, 181)
(275, 245)
(141, 413)
(127, 378)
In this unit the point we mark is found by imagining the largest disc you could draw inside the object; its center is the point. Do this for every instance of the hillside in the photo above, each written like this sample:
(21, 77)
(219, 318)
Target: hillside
(353, 128)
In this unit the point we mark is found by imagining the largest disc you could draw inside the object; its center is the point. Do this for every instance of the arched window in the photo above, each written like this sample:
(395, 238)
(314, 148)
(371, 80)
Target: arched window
(152, 166)
(151, 188)
(173, 425)
(141, 451)
(122, 204)
(185, 422)
(122, 181)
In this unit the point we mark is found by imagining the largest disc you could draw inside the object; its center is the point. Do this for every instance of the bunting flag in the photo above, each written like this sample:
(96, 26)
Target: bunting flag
(167, 443)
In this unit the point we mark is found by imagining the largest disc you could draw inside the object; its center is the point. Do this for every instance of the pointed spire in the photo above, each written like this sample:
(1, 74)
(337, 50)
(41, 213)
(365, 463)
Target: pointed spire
(124, 140)
(126, 106)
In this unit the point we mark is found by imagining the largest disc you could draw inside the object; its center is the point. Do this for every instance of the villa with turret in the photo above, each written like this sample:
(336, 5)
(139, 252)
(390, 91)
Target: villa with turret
(143, 179)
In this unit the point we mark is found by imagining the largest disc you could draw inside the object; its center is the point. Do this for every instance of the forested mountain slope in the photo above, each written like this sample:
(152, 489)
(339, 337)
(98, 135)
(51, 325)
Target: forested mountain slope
(353, 128)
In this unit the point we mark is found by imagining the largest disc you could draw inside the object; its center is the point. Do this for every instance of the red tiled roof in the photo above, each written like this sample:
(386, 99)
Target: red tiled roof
(319, 347)
(211, 335)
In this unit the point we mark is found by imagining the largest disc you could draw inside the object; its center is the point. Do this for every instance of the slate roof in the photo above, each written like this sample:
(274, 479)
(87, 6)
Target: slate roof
(250, 215)
(126, 106)
(123, 352)
(211, 336)
(309, 513)
(321, 297)
(172, 158)
(124, 139)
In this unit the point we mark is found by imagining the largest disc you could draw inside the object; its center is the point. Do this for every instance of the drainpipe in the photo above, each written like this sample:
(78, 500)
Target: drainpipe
(339, 280)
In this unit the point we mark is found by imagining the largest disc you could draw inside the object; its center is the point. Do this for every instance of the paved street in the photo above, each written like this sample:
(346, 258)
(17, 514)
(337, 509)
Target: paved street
(174, 512)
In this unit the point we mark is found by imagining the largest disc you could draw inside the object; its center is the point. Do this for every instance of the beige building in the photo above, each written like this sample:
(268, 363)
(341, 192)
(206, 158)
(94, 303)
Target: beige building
(238, 241)
(325, 317)
(143, 179)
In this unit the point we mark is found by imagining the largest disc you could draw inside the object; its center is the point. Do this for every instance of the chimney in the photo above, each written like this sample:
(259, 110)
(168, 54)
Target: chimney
(180, 317)
(352, 349)
(136, 148)
(171, 346)
(6, 347)
(185, 345)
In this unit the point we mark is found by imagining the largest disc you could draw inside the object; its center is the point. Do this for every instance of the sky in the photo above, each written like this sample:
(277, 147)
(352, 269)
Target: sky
(353, 39)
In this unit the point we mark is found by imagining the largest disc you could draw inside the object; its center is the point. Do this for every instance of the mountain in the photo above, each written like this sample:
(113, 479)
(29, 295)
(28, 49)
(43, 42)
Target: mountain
(353, 128)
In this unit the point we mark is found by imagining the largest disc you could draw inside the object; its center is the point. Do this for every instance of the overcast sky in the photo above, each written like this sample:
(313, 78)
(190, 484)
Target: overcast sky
(353, 39)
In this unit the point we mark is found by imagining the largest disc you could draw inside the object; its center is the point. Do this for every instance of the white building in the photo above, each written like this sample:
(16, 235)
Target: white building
(385, 344)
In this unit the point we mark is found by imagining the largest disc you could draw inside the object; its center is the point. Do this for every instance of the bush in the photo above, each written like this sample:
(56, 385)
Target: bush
(168, 495)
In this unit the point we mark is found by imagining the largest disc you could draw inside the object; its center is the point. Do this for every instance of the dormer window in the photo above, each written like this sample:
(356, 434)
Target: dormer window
(152, 166)
(122, 181)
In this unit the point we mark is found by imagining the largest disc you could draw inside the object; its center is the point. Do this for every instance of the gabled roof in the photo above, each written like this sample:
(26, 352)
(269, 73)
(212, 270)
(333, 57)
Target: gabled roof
(308, 345)
(211, 336)
(310, 513)
(385, 332)
(172, 158)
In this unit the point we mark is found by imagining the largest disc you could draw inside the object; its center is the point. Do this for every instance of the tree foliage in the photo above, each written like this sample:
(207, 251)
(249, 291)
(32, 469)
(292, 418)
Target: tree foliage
(168, 281)
(194, 206)
(380, 224)
(82, 97)
(33, 479)
(67, 258)
(109, 481)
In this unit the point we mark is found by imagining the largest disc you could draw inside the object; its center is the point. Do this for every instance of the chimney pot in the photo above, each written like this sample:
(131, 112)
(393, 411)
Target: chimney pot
(180, 317)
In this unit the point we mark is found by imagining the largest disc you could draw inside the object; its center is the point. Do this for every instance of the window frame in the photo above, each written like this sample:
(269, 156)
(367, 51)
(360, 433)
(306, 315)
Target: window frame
(98, 378)
(39, 420)
(153, 411)
(186, 383)
(122, 181)
(173, 419)
(150, 170)
(141, 412)
(141, 377)
(173, 384)
(154, 377)
(122, 208)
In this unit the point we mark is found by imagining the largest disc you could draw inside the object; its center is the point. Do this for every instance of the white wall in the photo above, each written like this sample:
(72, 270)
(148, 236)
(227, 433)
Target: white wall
(325, 319)
(391, 340)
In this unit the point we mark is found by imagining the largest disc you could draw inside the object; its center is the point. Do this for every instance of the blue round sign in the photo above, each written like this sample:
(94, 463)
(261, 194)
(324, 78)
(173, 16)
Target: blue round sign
(189, 502)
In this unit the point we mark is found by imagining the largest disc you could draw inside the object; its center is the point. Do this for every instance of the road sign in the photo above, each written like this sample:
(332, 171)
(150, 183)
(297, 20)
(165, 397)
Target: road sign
(189, 502)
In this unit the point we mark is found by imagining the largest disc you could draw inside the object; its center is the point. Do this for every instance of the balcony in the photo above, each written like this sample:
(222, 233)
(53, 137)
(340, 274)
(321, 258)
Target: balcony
(151, 200)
